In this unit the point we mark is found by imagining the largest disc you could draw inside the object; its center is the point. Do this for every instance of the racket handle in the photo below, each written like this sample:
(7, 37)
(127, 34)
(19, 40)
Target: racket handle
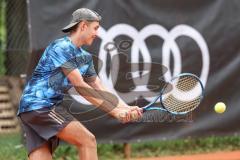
(144, 109)
(149, 108)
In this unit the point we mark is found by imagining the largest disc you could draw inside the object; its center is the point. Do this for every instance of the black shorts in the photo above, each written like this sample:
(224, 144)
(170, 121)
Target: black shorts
(41, 126)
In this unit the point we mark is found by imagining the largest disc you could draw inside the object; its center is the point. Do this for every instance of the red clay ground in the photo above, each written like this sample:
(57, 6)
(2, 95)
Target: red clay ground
(234, 155)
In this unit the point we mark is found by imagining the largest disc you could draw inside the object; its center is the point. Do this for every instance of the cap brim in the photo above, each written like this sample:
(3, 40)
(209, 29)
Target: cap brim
(68, 27)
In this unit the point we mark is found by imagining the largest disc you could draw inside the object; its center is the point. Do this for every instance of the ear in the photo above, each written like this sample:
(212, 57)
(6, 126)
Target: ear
(83, 26)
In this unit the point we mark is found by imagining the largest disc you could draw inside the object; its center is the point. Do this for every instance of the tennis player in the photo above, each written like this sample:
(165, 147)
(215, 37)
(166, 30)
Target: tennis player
(64, 64)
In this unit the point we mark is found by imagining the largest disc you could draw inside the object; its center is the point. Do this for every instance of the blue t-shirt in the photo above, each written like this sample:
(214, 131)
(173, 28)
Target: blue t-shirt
(48, 83)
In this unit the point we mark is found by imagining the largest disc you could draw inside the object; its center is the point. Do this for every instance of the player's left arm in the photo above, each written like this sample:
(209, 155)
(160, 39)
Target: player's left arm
(96, 83)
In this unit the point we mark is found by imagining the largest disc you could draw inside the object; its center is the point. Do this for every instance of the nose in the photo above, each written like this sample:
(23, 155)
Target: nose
(95, 34)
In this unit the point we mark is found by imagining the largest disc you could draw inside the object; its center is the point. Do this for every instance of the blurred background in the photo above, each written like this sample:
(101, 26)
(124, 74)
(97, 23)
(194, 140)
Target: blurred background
(201, 37)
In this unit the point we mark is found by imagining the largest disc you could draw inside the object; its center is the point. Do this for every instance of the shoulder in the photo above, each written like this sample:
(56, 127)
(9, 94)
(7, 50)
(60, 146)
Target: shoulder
(84, 52)
(60, 45)
(83, 56)
(86, 55)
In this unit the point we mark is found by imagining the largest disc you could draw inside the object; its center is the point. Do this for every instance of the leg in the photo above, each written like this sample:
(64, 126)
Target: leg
(41, 153)
(75, 133)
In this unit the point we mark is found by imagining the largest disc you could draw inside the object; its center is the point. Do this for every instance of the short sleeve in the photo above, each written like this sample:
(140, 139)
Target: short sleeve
(90, 74)
(62, 58)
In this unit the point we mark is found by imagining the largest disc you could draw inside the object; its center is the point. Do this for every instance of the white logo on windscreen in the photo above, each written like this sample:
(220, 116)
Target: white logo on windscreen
(139, 46)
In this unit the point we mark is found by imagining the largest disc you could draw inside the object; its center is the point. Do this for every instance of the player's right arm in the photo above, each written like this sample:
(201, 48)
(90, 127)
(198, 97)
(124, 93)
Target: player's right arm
(91, 95)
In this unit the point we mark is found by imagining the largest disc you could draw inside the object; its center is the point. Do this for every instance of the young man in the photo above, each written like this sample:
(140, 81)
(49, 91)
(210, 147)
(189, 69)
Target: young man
(64, 64)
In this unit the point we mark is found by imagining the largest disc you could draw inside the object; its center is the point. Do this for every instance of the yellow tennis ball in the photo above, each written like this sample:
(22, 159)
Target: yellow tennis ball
(220, 107)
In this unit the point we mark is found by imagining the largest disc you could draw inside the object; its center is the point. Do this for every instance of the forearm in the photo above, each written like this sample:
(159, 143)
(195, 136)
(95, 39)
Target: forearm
(122, 111)
(104, 91)
(89, 93)
(95, 97)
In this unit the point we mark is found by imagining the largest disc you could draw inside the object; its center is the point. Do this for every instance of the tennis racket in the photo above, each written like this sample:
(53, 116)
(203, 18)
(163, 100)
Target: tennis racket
(182, 94)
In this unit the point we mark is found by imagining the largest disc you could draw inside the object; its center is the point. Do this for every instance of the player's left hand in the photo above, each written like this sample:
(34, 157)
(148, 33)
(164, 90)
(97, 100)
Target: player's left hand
(135, 113)
(127, 113)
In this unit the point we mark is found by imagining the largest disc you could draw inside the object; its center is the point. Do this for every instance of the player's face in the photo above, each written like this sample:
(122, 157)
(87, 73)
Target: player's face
(90, 32)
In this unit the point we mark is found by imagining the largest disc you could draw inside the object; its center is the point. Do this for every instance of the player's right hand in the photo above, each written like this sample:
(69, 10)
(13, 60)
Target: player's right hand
(127, 113)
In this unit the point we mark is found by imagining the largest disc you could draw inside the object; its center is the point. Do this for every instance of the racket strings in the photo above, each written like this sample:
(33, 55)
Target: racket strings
(185, 83)
(174, 105)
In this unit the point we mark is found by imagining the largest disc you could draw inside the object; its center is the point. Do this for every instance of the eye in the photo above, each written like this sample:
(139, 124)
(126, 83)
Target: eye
(96, 28)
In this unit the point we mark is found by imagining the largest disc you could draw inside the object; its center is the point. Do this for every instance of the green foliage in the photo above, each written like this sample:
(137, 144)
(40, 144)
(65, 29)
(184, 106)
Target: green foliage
(2, 36)
(110, 151)
(186, 146)
(11, 148)
(66, 152)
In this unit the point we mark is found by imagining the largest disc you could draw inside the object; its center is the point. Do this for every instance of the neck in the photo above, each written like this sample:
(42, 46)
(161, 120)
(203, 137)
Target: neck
(76, 40)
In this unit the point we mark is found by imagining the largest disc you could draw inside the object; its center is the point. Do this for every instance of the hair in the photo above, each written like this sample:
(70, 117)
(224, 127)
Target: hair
(74, 28)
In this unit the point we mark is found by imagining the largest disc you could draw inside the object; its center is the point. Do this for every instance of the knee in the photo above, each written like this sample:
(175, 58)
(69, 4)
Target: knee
(88, 140)
(93, 140)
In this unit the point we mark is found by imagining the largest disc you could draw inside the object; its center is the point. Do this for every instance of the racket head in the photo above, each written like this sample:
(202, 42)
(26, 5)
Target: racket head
(186, 93)
(152, 105)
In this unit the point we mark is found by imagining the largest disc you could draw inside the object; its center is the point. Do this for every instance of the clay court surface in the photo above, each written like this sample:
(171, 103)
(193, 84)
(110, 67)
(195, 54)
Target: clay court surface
(234, 155)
